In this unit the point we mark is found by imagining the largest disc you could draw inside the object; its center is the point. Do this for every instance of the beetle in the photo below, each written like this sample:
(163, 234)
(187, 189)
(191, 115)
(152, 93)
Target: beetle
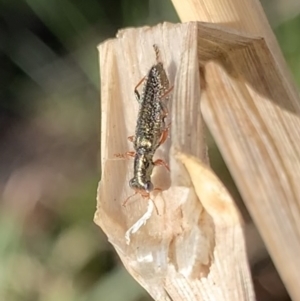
(151, 130)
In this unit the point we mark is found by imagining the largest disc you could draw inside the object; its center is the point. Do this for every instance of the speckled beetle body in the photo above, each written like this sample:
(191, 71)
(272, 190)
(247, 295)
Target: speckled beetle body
(151, 130)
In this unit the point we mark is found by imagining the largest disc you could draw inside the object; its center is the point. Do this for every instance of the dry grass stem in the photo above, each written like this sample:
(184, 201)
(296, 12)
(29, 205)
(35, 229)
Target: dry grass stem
(193, 248)
(253, 113)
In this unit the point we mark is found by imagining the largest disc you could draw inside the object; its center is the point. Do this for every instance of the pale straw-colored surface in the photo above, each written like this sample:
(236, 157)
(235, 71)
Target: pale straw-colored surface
(258, 131)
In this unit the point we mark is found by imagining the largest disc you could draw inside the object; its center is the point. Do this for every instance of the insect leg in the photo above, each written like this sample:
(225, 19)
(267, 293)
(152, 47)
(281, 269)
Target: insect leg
(125, 202)
(164, 135)
(160, 190)
(164, 106)
(164, 110)
(126, 155)
(160, 162)
(136, 92)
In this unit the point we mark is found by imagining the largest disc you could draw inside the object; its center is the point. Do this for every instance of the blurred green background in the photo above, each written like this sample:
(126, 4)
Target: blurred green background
(49, 136)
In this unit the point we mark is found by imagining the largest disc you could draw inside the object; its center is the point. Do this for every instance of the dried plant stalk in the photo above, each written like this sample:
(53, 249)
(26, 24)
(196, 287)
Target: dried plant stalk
(193, 248)
(243, 15)
(258, 130)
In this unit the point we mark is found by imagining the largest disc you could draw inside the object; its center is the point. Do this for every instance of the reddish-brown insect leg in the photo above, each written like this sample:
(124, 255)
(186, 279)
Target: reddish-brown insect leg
(160, 162)
(156, 189)
(125, 202)
(145, 195)
(127, 155)
(165, 111)
(164, 135)
(136, 92)
(139, 83)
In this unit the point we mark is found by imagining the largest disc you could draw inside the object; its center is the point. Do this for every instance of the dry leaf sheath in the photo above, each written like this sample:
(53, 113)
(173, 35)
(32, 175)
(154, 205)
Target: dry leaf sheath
(254, 119)
(193, 247)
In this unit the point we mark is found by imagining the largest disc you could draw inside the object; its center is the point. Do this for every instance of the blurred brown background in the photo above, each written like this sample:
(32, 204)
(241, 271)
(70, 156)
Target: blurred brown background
(49, 136)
